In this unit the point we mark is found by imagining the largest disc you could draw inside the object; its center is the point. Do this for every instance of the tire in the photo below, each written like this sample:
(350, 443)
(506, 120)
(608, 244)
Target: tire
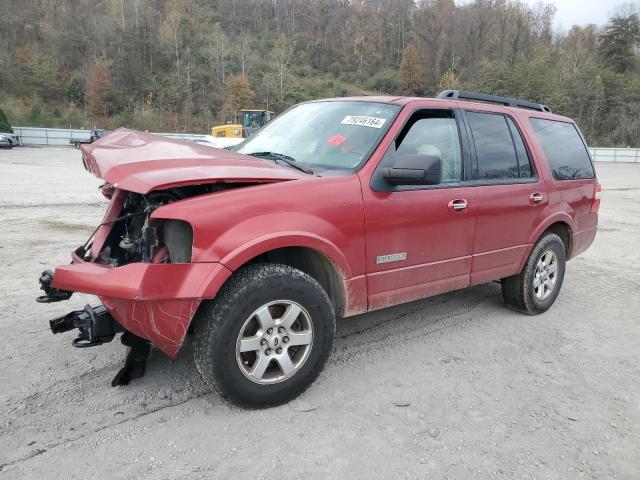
(232, 336)
(535, 289)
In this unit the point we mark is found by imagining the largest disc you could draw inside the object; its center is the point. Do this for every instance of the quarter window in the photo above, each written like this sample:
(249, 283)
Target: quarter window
(565, 151)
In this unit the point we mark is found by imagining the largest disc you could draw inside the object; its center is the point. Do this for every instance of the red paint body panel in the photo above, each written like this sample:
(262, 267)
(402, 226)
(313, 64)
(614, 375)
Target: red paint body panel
(163, 322)
(254, 220)
(437, 241)
(155, 301)
(142, 162)
(341, 217)
(505, 219)
(141, 281)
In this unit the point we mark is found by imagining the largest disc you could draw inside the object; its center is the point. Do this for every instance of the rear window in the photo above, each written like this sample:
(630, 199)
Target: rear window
(565, 151)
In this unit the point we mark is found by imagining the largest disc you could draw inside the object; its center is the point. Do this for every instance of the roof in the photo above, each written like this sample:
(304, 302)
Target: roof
(442, 102)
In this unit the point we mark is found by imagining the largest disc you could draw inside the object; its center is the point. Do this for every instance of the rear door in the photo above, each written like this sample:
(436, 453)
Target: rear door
(419, 239)
(511, 196)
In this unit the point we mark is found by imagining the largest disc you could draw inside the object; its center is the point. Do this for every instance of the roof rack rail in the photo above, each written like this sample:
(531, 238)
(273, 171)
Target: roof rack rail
(483, 97)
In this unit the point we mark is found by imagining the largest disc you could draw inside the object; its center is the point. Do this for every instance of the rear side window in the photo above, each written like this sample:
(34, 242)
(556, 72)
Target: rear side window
(495, 149)
(565, 151)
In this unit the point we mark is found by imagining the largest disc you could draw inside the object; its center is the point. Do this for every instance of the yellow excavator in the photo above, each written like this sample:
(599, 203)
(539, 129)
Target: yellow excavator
(252, 120)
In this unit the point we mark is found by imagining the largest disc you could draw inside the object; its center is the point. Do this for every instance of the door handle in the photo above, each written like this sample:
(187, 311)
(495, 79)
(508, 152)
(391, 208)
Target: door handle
(458, 204)
(536, 197)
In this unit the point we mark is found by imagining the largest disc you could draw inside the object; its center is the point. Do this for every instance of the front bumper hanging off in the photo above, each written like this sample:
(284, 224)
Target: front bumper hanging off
(155, 301)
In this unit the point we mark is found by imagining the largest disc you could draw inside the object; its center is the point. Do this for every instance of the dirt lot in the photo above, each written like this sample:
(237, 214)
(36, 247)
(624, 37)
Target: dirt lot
(452, 387)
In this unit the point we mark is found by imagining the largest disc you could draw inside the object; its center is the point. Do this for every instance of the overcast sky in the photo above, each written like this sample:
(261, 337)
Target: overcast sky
(582, 12)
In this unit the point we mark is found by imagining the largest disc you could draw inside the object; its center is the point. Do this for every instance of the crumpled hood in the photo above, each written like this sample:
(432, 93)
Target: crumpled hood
(142, 162)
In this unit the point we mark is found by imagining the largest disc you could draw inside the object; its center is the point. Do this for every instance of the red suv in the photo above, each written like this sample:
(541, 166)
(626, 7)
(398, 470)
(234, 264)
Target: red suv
(336, 207)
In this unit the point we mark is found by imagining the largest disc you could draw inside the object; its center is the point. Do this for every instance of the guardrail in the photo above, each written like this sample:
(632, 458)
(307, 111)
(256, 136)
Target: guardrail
(61, 136)
(50, 136)
(616, 155)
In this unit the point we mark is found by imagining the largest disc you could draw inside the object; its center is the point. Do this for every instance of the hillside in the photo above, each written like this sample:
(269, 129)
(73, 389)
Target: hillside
(185, 65)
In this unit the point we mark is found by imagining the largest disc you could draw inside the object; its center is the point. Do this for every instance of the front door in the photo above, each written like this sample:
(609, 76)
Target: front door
(419, 239)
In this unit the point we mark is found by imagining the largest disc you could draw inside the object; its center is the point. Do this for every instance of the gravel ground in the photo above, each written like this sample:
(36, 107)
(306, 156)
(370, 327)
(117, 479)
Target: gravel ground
(452, 387)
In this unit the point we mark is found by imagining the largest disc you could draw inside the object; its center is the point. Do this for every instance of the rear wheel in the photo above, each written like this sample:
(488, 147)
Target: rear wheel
(266, 336)
(535, 289)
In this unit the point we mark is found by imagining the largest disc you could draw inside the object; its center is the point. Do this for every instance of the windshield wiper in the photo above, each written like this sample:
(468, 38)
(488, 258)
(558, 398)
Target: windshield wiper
(284, 158)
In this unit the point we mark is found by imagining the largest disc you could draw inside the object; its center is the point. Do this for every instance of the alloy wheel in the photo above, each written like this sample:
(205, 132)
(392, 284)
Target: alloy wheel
(274, 342)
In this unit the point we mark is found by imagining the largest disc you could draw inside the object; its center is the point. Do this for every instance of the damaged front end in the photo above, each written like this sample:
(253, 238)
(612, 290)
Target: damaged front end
(140, 264)
(140, 268)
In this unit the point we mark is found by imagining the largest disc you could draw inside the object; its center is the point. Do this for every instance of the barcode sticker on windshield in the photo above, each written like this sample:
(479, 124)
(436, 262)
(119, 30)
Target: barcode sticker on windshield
(373, 122)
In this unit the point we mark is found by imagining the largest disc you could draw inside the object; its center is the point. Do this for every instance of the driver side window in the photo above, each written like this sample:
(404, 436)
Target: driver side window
(434, 133)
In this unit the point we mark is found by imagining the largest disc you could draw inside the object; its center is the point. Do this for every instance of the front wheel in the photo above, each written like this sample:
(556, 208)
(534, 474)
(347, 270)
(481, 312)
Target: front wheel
(266, 336)
(534, 290)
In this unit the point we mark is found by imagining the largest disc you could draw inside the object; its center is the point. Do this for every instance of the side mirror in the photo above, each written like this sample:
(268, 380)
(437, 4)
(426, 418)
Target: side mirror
(414, 170)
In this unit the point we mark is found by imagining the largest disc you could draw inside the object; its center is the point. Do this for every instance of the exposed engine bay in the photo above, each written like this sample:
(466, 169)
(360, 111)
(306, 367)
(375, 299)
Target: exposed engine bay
(136, 237)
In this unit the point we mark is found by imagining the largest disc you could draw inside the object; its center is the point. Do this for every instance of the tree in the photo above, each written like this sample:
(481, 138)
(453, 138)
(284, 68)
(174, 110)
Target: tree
(449, 80)
(579, 49)
(282, 59)
(75, 92)
(433, 26)
(184, 51)
(100, 95)
(411, 72)
(5, 126)
(619, 41)
(238, 95)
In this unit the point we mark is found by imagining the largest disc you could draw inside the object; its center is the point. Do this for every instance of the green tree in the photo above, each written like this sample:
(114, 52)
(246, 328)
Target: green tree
(618, 42)
(5, 126)
(75, 92)
(412, 72)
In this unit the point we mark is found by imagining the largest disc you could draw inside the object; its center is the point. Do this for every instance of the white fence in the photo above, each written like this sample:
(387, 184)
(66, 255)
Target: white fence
(616, 155)
(49, 136)
(61, 136)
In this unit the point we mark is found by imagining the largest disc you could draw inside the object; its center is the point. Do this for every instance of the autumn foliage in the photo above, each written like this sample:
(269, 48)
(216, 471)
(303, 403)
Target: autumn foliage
(99, 95)
(412, 72)
(187, 65)
(238, 95)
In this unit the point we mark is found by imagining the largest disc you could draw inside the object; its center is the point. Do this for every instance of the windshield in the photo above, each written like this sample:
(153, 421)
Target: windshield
(331, 135)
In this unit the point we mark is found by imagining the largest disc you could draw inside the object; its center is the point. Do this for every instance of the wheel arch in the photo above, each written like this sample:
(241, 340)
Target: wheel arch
(315, 264)
(563, 230)
(562, 225)
(313, 255)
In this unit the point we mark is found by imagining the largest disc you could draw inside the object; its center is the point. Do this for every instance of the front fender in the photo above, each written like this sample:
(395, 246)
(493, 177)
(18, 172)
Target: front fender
(232, 227)
(241, 255)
